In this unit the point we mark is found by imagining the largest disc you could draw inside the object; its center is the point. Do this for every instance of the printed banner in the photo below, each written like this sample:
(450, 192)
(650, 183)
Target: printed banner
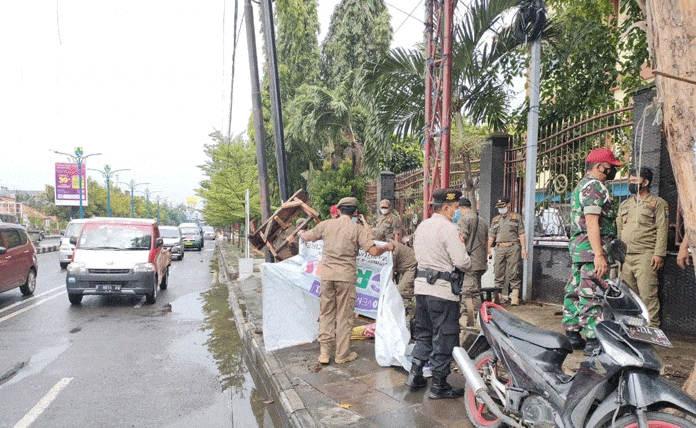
(67, 189)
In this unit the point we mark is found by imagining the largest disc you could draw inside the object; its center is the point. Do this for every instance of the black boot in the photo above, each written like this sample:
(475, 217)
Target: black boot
(592, 348)
(441, 389)
(575, 339)
(415, 376)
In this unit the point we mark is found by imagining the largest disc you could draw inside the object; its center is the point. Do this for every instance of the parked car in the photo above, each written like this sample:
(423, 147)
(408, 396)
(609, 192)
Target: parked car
(209, 233)
(66, 248)
(118, 256)
(200, 231)
(192, 237)
(173, 240)
(18, 264)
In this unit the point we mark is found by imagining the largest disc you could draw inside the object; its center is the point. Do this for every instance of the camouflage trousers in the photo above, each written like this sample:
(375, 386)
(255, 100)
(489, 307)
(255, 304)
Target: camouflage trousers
(582, 309)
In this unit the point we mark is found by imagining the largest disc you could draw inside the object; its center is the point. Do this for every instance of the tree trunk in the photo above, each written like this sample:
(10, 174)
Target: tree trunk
(466, 158)
(672, 42)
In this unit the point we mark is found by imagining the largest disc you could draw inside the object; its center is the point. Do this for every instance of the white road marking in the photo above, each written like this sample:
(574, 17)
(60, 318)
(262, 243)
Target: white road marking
(30, 298)
(42, 405)
(140, 303)
(14, 314)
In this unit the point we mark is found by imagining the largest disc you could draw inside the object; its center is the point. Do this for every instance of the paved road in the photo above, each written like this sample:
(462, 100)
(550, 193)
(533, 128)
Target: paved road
(119, 362)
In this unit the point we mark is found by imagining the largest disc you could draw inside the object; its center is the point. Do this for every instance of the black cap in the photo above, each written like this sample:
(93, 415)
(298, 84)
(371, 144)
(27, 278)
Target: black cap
(443, 196)
(464, 202)
(502, 202)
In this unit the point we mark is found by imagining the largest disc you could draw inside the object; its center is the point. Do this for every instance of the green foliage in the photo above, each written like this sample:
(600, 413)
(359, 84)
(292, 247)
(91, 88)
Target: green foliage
(329, 185)
(359, 32)
(633, 45)
(405, 155)
(230, 171)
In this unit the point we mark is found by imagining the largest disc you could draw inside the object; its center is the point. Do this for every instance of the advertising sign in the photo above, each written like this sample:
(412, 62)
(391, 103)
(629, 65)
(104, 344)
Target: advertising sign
(67, 190)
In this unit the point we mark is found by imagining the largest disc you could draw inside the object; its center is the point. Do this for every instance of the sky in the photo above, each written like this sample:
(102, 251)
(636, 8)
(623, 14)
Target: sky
(143, 83)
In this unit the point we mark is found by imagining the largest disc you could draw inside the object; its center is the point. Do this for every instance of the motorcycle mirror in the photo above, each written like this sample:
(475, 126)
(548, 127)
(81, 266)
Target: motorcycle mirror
(617, 250)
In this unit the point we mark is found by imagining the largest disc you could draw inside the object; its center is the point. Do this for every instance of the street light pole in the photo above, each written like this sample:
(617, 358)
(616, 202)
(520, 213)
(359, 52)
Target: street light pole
(132, 184)
(107, 173)
(79, 158)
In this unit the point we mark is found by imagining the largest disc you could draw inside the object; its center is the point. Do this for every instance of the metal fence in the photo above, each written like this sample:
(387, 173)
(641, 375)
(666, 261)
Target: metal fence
(562, 149)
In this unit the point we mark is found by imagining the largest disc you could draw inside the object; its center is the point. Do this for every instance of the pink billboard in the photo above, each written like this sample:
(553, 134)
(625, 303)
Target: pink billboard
(68, 184)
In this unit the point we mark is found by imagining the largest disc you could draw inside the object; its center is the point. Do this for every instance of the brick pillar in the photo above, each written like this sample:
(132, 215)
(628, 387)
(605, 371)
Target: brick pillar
(491, 175)
(649, 135)
(385, 187)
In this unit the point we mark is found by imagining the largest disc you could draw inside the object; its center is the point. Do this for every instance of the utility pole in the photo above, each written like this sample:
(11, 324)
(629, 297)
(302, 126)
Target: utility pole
(276, 107)
(107, 173)
(260, 132)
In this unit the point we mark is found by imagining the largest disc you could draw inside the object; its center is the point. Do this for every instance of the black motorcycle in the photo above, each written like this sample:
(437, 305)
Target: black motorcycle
(514, 372)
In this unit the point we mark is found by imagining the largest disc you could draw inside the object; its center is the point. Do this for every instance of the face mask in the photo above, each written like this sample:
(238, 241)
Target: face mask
(355, 219)
(610, 173)
(385, 211)
(457, 215)
(633, 188)
(502, 211)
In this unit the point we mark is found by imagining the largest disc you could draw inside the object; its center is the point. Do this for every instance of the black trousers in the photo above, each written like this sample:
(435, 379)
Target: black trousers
(436, 332)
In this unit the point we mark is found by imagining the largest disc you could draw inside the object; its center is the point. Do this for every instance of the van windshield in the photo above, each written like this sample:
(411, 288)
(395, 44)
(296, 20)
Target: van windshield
(169, 233)
(115, 237)
(190, 231)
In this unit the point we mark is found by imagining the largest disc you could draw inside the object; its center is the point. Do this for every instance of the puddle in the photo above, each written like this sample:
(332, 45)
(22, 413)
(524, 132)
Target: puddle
(37, 363)
(188, 306)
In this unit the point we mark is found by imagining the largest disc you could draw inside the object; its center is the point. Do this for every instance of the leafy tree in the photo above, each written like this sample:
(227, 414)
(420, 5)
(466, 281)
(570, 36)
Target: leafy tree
(359, 32)
(331, 184)
(405, 155)
(230, 171)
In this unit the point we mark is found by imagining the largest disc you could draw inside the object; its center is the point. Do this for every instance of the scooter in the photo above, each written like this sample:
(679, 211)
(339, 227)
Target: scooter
(514, 371)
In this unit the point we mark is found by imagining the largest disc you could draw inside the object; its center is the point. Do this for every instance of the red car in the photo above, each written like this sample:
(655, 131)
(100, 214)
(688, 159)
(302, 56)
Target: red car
(18, 264)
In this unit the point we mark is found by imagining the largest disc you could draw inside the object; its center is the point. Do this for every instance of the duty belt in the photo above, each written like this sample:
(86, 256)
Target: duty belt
(508, 244)
(440, 275)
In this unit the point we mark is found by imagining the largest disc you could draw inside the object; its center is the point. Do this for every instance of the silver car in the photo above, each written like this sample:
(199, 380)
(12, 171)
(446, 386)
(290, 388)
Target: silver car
(173, 240)
(209, 233)
(66, 248)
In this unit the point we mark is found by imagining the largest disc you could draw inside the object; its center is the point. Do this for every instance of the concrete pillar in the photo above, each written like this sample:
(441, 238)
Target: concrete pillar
(386, 187)
(491, 175)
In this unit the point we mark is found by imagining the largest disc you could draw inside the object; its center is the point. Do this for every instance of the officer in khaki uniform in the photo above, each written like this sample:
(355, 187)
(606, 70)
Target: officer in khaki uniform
(343, 238)
(388, 223)
(439, 250)
(474, 232)
(643, 224)
(507, 233)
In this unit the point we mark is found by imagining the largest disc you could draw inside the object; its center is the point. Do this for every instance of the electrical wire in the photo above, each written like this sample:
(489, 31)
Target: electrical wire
(410, 15)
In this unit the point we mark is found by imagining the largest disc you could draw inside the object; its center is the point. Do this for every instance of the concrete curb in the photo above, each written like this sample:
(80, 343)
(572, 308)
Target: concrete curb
(268, 365)
(47, 249)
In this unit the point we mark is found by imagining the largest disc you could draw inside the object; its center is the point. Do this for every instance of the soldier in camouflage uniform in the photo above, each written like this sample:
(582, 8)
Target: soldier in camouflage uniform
(592, 226)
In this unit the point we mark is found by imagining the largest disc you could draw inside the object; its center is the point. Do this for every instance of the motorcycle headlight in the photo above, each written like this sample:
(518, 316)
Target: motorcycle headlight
(76, 268)
(144, 267)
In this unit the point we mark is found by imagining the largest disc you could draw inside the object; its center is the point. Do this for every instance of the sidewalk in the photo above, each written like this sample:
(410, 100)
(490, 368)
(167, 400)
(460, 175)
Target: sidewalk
(363, 394)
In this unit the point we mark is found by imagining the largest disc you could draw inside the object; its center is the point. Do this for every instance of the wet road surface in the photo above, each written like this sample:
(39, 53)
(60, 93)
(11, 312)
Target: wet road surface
(120, 362)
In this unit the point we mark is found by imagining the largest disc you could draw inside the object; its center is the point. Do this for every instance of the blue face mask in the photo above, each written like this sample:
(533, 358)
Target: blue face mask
(355, 219)
(456, 217)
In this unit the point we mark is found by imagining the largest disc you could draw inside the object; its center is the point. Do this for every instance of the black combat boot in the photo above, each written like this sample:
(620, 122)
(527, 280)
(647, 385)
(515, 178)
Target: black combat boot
(441, 389)
(415, 376)
(592, 348)
(575, 339)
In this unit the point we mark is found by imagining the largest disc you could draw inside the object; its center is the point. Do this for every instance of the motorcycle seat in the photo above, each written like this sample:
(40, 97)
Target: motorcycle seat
(520, 329)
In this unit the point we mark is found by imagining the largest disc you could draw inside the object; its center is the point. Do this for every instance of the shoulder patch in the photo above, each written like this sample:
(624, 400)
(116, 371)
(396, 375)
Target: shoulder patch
(513, 216)
(496, 219)
(652, 203)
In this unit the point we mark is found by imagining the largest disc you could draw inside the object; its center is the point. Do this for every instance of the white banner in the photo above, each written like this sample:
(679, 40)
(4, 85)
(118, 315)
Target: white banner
(291, 306)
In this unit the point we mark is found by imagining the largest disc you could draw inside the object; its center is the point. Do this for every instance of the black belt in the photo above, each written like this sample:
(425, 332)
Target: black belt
(440, 275)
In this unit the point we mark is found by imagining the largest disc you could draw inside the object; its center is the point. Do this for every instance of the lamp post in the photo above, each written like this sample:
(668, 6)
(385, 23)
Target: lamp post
(79, 158)
(147, 198)
(132, 185)
(107, 173)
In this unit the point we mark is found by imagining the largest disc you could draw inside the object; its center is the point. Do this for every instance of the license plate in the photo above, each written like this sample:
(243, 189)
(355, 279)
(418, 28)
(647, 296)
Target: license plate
(188, 242)
(109, 288)
(648, 334)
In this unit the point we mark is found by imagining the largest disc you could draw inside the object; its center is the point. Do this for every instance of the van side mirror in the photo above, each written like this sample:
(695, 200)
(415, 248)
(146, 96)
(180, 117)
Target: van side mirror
(159, 242)
(3, 250)
(73, 240)
(617, 250)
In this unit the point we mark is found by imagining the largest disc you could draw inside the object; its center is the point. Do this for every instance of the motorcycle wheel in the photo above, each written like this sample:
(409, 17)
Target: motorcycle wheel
(476, 410)
(655, 420)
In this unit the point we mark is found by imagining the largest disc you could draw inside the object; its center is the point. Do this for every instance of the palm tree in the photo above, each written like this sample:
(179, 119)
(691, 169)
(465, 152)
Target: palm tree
(481, 44)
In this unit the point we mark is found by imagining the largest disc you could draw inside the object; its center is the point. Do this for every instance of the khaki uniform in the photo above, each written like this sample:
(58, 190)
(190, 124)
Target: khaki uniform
(342, 241)
(508, 253)
(437, 246)
(387, 225)
(405, 263)
(644, 226)
(474, 231)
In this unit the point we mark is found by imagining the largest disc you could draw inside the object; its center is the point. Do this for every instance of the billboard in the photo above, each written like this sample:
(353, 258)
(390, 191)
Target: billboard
(67, 190)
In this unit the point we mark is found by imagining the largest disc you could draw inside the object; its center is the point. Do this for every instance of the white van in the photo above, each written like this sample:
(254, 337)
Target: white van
(66, 248)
